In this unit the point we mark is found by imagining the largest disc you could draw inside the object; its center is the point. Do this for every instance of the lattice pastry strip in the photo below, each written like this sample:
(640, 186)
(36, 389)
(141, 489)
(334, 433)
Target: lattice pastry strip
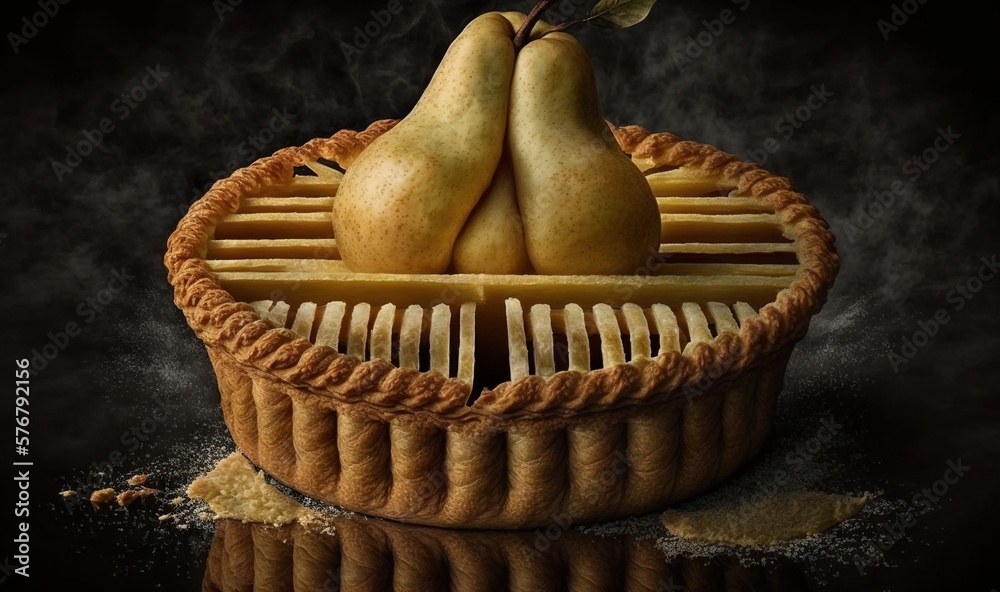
(577, 338)
(744, 312)
(409, 337)
(610, 325)
(410, 326)
(275, 313)
(305, 319)
(381, 337)
(638, 330)
(722, 317)
(330, 326)
(328, 174)
(441, 339)
(263, 308)
(612, 349)
(357, 338)
(517, 342)
(541, 340)
(666, 325)
(685, 182)
(697, 325)
(467, 342)
(326, 183)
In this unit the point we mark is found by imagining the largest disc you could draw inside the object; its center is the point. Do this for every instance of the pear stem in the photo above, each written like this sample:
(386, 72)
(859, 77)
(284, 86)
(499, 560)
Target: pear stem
(524, 33)
(567, 25)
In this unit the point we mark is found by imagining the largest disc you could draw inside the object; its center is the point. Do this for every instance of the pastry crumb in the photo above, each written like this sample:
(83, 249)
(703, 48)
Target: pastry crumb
(234, 489)
(103, 496)
(317, 522)
(177, 501)
(164, 517)
(68, 493)
(127, 497)
(138, 480)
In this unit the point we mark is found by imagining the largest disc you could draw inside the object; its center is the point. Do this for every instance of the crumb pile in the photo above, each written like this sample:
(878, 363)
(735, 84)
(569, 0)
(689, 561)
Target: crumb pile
(765, 521)
(233, 489)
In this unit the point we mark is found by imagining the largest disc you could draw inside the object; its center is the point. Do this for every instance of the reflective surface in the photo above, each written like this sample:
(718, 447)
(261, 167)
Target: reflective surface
(375, 555)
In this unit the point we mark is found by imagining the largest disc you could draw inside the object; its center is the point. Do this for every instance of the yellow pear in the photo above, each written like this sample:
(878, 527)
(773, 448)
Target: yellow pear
(492, 240)
(586, 208)
(403, 202)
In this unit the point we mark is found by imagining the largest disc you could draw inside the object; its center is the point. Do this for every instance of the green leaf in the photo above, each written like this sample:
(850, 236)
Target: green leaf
(620, 14)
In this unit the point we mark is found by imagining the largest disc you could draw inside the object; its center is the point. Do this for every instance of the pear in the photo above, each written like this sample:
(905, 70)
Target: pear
(586, 208)
(492, 240)
(404, 201)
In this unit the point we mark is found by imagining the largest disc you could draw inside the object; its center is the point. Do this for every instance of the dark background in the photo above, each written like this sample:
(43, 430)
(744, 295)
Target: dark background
(61, 239)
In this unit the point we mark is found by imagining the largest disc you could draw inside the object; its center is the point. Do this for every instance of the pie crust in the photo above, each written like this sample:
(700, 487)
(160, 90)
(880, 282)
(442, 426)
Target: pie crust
(399, 442)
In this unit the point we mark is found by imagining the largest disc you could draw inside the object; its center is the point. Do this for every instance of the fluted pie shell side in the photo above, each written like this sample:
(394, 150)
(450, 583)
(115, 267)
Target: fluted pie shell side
(405, 445)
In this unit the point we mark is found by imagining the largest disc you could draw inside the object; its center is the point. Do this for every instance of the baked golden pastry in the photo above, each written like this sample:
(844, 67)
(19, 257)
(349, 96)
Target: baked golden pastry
(480, 401)
(376, 555)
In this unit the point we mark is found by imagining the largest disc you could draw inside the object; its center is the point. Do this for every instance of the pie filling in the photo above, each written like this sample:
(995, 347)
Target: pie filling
(723, 257)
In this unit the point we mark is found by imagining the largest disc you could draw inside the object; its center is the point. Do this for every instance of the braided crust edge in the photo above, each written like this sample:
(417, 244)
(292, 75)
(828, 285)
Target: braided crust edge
(219, 320)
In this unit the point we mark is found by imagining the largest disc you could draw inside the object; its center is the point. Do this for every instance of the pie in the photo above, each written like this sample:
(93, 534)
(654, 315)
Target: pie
(503, 401)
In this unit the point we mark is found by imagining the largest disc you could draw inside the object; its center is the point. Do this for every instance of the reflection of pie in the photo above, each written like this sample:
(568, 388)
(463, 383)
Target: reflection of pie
(615, 395)
(378, 555)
